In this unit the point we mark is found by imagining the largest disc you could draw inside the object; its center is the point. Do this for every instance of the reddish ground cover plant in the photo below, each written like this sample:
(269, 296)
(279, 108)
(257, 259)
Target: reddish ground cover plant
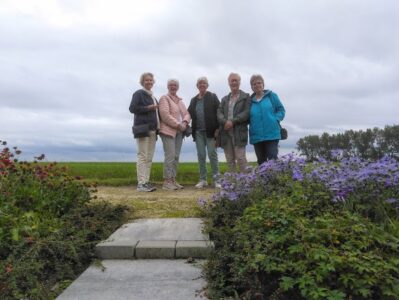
(47, 227)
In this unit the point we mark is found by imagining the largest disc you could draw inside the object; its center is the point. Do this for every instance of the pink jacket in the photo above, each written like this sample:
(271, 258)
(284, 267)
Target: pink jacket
(171, 110)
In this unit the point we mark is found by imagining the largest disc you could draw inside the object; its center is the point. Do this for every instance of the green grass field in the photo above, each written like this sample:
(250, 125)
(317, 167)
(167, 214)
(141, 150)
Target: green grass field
(124, 173)
(116, 184)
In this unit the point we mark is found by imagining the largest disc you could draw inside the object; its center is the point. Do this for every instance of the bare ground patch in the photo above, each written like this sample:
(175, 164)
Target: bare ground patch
(158, 204)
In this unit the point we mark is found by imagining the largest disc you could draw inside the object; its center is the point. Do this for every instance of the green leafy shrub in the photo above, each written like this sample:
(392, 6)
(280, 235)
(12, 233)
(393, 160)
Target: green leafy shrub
(284, 253)
(32, 196)
(39, 268)
(48, 227)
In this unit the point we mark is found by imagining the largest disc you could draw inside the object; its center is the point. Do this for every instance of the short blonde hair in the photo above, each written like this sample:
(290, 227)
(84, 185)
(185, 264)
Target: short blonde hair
(203, 78)
(144, 75)
(256, 77)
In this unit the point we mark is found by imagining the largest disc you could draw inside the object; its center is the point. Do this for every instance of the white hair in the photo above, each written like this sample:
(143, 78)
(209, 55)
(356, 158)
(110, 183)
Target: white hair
(234, 74)
(173, 80)
(203, 78)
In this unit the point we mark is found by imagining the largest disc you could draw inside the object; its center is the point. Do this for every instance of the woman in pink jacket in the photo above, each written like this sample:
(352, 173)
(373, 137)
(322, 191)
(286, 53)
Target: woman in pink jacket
(174, 121)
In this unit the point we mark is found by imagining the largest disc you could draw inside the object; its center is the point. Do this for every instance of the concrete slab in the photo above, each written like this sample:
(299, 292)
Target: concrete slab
(155, 249)
(197, 249)
(116, 249)
(168, 229)
(137, 280)
(122, 244)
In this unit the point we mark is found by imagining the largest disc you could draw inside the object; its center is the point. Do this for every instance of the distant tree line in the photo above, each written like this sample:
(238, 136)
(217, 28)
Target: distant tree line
(369, 144)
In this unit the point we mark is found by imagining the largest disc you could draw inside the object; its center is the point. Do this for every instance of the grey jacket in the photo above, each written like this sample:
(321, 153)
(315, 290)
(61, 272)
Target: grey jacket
(240, 119)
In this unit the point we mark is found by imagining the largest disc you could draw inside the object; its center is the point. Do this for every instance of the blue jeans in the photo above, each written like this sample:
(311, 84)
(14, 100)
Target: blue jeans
(204, 144)
(266, 150)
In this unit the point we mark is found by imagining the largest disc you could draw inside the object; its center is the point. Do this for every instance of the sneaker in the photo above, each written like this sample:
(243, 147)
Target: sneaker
(145, 188)
(151, 185)
(201, 184)
(168, 185)
(217, 185)
(178, 185)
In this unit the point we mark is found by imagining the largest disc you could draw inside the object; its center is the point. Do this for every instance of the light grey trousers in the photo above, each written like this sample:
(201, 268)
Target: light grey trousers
(171, 148)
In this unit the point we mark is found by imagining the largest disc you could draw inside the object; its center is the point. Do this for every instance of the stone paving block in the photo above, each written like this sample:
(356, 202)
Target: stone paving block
(116, 249)
(155, 249)
(195, 249)
(122, 243)
(148, 279)
(161, 229)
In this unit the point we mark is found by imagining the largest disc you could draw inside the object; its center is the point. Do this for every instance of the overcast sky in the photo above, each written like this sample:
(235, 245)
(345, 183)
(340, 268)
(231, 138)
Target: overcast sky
(69, 68)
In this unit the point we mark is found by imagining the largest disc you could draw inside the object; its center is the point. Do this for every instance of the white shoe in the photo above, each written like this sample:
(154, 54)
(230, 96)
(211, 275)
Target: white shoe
(168, 185)
(201, 184)
(179, 186)
(217, 185)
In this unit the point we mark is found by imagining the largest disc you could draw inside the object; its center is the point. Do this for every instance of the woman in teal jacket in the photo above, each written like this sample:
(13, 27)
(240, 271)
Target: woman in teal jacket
(265, 115)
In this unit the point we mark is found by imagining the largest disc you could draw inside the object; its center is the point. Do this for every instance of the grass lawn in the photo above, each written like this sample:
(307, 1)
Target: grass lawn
(124, 173)
(158, 204)
(117, 184)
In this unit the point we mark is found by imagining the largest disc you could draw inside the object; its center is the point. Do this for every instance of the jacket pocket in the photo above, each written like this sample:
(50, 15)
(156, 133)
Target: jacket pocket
(242, 135)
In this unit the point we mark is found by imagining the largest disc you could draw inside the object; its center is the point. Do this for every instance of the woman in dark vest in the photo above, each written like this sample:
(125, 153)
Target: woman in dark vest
(203, 110)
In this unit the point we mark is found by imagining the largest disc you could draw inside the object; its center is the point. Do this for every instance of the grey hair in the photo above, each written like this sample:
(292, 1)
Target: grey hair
(203, 78)
(144, 75)
(233, 74)
(256, 77)
(173, 80)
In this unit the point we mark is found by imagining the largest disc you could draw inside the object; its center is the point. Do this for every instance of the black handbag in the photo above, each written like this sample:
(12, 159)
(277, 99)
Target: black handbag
(188, 131)
(142, 130)
(283, 132)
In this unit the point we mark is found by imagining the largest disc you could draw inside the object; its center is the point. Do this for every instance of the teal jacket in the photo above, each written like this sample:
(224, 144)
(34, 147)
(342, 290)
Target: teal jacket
(264, 118)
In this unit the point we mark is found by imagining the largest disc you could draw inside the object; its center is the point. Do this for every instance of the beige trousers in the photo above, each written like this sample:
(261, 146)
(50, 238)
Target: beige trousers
(235, 156)
(145, 153)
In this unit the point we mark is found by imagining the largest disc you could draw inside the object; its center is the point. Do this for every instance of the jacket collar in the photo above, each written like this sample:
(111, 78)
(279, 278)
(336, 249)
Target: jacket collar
(241, 95)
(265, 94)
(147, 91)
(174, 98)
(206, 95)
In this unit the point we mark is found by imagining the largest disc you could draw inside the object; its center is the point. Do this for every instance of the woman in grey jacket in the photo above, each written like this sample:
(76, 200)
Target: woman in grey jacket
(233, 117)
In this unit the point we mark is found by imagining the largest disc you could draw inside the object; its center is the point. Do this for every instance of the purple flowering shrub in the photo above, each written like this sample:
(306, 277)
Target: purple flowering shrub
(239, 190)
(368, 187)
(295, 230)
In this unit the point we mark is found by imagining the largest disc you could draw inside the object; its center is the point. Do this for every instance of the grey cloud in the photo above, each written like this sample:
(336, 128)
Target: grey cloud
(67, 89)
